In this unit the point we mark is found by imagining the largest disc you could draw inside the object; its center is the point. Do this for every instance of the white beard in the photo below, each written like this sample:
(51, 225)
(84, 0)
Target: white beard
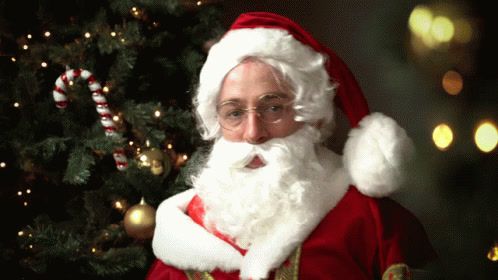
(245, 204)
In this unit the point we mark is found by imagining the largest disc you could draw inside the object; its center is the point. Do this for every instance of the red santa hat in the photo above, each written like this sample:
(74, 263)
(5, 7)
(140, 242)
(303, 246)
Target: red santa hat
(377, 146)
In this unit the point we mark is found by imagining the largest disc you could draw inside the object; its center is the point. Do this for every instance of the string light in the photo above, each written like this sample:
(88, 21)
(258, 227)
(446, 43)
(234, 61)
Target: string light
(25, 47)
(169, 146)
(13, 59)
(19, 193)
(20, 233)
(157, 113)
(29, 36)
(87, 35)
(44, 64)
(16, 104)
(147, 143)
(28, 191)
(3, 164)
(94, 250)
(199, 3)
(30, 246)
(71, 83)
(113, 34)
(119, 205)
(47, 34)
(25, 204)
(115, 118)
(130, 143)
(105, 89)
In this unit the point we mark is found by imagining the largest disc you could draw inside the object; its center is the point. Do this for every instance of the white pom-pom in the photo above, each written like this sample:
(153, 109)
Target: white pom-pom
(375, 155)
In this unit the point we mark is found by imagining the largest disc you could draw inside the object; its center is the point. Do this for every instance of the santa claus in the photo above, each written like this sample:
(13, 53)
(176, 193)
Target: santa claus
(271, 201)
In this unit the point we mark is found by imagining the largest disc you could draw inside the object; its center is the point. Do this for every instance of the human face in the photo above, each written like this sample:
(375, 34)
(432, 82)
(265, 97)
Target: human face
(247, 84)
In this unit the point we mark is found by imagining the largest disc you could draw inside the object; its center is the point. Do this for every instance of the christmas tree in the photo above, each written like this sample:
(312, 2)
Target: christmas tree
(96, 129)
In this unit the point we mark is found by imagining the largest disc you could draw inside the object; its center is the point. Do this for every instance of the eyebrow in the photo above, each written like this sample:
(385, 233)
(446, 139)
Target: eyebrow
(264, 97)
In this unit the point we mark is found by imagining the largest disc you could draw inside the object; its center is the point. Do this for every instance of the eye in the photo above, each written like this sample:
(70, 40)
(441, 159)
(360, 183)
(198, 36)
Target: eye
(275, 108)
(233, 113)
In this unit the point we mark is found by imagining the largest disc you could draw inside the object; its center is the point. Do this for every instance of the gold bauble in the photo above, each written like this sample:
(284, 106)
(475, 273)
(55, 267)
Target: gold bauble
(157, 161)
(140, 221)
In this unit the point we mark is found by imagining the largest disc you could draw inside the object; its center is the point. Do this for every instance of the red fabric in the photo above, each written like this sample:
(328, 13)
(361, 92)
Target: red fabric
(359, 239)
(349, 96)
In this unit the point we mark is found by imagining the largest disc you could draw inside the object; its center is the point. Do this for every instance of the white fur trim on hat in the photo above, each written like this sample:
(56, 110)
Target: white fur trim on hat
(375, 155)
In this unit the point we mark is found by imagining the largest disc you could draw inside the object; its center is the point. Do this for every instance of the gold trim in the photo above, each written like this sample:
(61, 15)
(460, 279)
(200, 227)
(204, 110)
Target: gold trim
(289, 270)
(399, 271)
(196, 275)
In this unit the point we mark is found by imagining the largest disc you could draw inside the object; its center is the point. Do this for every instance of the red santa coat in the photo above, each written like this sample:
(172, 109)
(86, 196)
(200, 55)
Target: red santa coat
(360, 238)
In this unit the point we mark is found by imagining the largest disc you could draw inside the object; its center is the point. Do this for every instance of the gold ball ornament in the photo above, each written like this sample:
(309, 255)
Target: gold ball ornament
(157, 161)
(140, 221)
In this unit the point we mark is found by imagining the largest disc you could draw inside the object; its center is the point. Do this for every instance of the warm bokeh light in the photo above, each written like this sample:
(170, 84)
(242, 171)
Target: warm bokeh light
(25, 203)
(113, 34)
(131, 143)
(28, 191)
(157, 113)
(442, 135)
(87, 35)
(199, 3)
(47, 34)
(452, 82)
(13, 59)
(16, 104)
(19, 193)
(486, 136)
(493, 253)
(20, 233)
(169, 146)
(25, 47)
(44, 64)
(442, 29)
(29, 36)
(420, 20)
(105, 89)
(115, 118)
(3, 164)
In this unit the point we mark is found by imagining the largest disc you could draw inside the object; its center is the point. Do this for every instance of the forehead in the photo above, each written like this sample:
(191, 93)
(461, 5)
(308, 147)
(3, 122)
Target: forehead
(250, 80)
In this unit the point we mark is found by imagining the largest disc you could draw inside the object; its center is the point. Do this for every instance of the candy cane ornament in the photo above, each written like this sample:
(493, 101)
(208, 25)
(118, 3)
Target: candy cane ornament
(102, 106)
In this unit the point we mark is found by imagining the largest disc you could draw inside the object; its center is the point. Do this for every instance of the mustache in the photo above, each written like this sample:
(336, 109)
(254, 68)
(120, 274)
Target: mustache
(236, 155)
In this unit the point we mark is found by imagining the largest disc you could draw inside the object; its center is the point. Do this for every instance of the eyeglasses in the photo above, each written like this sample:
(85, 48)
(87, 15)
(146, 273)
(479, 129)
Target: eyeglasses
(271, 109)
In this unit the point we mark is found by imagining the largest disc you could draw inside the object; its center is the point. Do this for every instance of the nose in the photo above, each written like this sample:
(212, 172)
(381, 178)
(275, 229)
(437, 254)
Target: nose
(255, 131)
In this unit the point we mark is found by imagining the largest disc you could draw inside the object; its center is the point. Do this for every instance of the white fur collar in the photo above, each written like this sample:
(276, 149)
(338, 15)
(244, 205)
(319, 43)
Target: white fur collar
(180, 242)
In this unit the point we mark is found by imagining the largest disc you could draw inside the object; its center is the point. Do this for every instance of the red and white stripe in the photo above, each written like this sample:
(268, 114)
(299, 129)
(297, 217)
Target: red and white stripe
(101, 105)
